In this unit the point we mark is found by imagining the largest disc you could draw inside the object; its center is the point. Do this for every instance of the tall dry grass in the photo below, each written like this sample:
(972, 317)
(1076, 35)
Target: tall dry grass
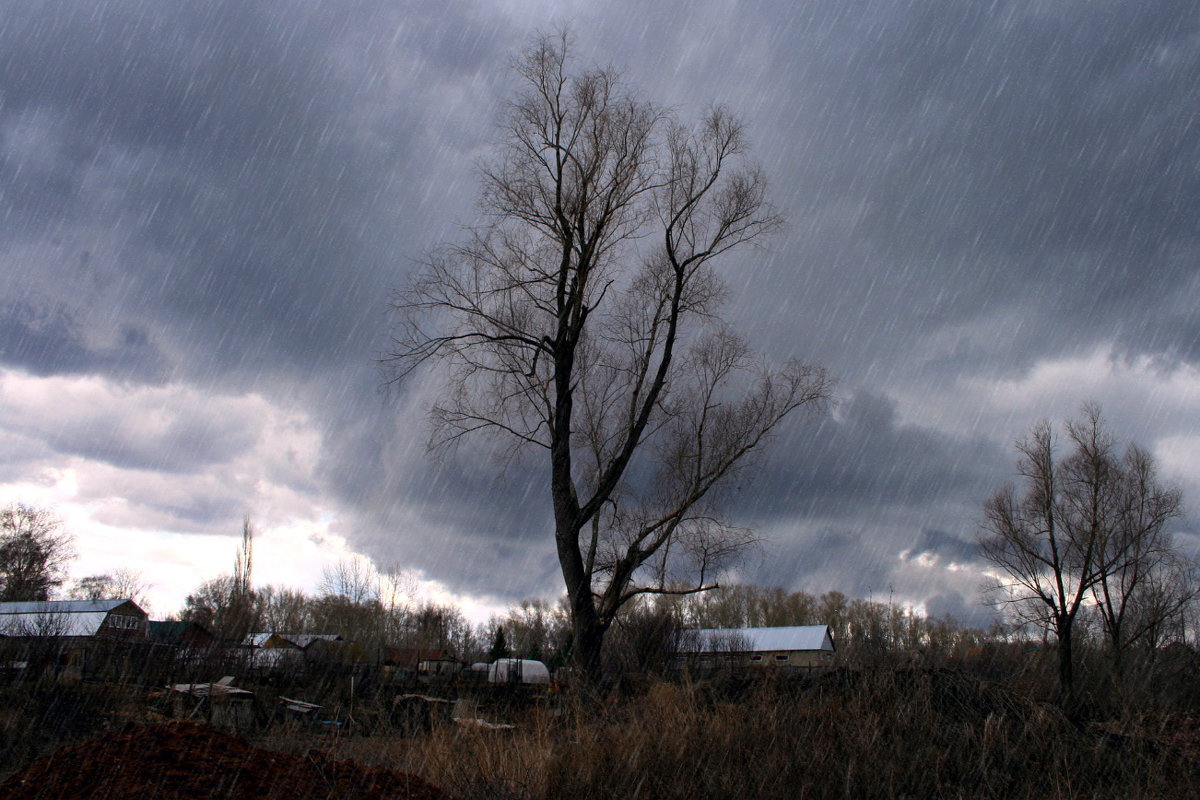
(879, 734)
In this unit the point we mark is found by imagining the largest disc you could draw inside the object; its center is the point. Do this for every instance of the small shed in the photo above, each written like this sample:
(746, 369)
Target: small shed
(220, 703)
(409, 659)
(806, 646)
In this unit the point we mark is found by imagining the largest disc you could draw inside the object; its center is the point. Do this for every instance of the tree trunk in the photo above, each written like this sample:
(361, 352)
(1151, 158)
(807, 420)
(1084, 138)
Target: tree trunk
(588, 636)
(1066, 677)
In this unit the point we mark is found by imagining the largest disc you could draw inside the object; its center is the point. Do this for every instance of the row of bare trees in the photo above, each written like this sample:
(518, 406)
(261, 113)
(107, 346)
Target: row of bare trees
(354, 600)
(36, 551)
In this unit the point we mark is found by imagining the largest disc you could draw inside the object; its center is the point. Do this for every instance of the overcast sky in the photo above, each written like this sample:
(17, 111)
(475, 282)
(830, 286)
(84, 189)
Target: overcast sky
(993, 216)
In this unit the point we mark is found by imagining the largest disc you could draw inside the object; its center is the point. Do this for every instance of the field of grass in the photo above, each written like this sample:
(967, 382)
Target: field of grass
(880, 733)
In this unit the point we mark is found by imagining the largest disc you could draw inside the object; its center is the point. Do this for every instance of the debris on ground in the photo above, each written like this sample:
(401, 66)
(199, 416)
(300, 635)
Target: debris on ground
(188, 760)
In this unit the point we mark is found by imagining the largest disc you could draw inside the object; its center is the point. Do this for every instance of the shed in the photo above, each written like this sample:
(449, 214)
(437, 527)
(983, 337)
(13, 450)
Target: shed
(792, 646)
(409, 658)
(272, 651)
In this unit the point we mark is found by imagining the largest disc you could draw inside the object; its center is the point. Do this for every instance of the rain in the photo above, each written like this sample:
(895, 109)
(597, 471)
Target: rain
(990, 219)
(210, 213)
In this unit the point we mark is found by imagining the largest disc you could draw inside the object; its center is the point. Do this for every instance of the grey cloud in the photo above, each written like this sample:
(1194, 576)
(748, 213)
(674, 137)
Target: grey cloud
(963, 609)
(191, 442)
(945, 546)
(51, 342)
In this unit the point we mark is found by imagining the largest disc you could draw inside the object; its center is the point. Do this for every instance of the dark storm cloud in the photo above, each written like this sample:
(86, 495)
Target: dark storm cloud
(223, 194)
(944, 160)
(236, 148)
(861, 459)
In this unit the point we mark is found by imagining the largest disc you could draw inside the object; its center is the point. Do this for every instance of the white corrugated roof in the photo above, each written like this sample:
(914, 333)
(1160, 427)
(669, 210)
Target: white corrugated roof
(60, 606)
(56, 617)
(79, 623)
(757, 640)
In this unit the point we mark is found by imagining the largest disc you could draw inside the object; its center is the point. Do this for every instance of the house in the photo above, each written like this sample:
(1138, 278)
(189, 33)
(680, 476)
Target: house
(798, 646)
(97, 638)
(113, 619)
(183, 635)
(409, 659)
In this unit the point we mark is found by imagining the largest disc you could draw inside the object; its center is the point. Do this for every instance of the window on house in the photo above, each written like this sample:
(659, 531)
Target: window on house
(781, 657)
(756, 658)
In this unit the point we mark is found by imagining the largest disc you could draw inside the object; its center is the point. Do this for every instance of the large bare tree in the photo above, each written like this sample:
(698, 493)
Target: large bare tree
(1089, 527)
(582, 320)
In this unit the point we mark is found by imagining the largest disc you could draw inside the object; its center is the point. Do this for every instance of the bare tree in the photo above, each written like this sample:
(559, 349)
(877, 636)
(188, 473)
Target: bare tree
(226, 605)
(1146, 581)
(123, 584)
(353, 578)
(1089, 525)
(582, 320)
(34, 553)
(281, 609)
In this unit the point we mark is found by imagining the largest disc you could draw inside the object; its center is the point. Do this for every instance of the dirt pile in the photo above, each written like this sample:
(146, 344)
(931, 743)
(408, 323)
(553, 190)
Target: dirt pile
(188, 760)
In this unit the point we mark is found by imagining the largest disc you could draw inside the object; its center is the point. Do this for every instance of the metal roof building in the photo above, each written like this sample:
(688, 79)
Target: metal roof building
(759, 640)
(71, 618)
(793, 646)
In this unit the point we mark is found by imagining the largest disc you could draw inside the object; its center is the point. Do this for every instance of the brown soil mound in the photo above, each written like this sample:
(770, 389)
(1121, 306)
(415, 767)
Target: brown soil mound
(188, 760)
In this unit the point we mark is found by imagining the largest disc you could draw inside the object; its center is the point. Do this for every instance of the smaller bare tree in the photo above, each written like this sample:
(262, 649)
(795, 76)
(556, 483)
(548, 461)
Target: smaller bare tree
(354, 578)
(1146, 580)
(1088, 527)
(123, 584)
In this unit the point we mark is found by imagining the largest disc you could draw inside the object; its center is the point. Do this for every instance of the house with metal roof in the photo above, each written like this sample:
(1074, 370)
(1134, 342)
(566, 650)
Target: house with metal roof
(799, 646)
(79, 638)
(115, 619)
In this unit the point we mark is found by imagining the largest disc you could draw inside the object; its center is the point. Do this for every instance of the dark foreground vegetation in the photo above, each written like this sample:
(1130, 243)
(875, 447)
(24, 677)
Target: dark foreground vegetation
(988, 727)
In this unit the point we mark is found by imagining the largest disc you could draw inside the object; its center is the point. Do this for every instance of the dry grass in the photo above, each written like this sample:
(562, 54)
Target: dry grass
(886, 734)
